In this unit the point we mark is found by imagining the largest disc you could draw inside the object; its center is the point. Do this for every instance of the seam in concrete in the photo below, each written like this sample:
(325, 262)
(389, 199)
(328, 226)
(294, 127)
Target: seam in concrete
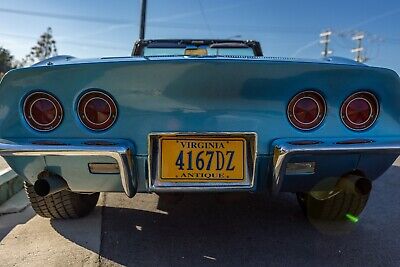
(103, 205)
(19, 211)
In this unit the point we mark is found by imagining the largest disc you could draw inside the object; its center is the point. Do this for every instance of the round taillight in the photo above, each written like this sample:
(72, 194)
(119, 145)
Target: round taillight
(359, 111)
(97, 110)
(306, 110)
(42, 111)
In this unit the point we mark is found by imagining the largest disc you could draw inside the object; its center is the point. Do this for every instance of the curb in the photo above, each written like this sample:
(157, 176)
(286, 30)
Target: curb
(10, 184)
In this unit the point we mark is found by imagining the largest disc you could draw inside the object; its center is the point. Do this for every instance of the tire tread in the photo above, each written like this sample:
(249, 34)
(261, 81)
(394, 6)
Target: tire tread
(62, 205)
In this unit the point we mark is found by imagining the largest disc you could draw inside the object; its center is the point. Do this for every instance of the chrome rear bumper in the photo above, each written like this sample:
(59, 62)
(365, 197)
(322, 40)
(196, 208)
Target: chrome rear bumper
(287, 151)
(121, 152)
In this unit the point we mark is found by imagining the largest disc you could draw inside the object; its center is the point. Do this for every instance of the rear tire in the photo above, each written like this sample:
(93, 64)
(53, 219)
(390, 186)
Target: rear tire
(62, 205)
(334, 208)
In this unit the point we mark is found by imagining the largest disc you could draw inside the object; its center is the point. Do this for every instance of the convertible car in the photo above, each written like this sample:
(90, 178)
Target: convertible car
(199, 116)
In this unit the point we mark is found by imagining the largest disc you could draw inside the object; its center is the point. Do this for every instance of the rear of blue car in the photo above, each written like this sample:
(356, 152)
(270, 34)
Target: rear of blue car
(325, 130)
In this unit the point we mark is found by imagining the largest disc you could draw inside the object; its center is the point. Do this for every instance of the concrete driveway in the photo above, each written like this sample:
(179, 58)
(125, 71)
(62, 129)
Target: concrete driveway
(238, 229)
(3, 164)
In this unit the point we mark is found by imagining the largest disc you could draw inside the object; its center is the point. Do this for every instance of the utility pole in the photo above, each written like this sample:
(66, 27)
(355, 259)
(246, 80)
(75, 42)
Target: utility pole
(325, 40)
(358, 37)
(143, 20)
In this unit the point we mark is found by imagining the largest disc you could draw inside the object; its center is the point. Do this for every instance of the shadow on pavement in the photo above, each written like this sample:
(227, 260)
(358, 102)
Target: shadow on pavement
(201, 228)
(85, 232)
(9, 221)
(246, 229)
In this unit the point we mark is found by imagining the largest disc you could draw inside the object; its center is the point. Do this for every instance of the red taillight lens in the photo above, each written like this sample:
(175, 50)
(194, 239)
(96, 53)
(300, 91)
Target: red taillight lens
(306, 110)
(360, 111)
(97, 110)
(42, 111)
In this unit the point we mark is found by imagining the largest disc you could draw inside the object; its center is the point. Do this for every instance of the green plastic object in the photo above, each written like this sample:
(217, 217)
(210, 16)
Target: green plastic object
(352, 218)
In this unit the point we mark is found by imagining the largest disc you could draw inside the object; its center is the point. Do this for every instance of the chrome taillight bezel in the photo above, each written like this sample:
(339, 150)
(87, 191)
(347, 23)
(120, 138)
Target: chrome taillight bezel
(81, 109)
(372, 101)
(322, 109)
(30, 100)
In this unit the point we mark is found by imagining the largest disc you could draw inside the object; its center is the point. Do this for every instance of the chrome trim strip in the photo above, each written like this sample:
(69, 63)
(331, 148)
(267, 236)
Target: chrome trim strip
(282, 150)
(153, 161)
(121, 153)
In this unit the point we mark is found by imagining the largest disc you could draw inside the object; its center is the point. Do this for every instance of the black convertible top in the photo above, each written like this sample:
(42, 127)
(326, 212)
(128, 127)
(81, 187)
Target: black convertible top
(182, 43)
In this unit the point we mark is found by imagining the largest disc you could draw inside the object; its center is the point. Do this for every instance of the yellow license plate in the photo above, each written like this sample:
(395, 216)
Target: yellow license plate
(202, 159)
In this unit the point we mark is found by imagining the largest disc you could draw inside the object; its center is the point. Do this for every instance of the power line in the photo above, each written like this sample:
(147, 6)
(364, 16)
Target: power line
(65, 17)
(81, 44)
(173, 25)
(362, 39)
(257, 28)
(203, 14)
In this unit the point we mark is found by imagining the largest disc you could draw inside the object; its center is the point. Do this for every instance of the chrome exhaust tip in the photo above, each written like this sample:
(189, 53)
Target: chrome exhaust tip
(49, 183)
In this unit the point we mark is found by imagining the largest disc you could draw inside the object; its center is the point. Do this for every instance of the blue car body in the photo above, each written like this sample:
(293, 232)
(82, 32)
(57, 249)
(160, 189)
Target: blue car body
(211, 94)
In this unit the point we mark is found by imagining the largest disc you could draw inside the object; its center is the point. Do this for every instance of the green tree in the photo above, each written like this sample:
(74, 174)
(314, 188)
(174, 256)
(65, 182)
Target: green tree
(44, 48)
(6, 61)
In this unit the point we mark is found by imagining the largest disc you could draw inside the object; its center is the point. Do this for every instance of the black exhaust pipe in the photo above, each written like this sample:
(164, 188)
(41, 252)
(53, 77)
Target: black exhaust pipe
(49, 183)
(354, 184)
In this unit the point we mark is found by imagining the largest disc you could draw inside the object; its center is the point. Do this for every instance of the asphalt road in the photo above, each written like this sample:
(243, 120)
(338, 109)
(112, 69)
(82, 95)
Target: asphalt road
(236, 229)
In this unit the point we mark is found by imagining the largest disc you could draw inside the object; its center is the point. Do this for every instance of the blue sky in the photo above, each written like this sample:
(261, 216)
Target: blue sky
(94, 28)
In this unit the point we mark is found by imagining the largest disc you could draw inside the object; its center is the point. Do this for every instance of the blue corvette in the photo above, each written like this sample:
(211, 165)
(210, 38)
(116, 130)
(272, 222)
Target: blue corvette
(199, 116)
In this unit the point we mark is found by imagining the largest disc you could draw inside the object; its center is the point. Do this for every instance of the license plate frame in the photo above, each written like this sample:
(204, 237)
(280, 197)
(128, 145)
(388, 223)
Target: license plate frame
(157, 183)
